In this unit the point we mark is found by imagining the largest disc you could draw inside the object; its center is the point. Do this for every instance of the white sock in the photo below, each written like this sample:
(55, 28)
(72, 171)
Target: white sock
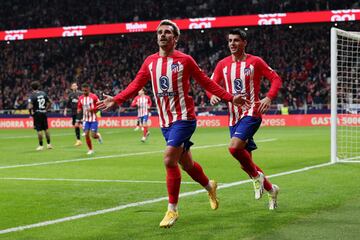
(208, 186)
(259, 173)
(172, 207)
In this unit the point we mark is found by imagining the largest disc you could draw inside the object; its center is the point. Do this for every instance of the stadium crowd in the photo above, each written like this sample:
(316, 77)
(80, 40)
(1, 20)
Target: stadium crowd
(108, 63)
(300, 55)
(18, 14)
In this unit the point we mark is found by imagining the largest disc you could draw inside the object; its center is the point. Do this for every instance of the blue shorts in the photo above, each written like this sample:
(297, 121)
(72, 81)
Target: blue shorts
(143, 119)
(93, 126)
(245, 129)
(179, 133)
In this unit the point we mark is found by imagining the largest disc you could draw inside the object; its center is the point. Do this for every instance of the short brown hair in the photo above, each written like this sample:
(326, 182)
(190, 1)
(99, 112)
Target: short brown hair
(239, 32)
(35, 85)
(168, 22)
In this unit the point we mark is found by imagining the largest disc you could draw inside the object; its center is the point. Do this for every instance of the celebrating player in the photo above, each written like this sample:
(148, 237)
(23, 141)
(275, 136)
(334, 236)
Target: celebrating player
(241, 74)
(72, 104)
(87, 105)
(170, 71)
(39, 104)
(143, 102)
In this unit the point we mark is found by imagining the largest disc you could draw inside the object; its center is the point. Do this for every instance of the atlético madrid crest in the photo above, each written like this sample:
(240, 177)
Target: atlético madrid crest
(247, 72)
(175, 67)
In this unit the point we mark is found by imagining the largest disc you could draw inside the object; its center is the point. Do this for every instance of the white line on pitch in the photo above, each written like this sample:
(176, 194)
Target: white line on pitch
(34, 136)
(52, 135)
(349, 161)
(115, 156)
(150, 201)
(87, 180)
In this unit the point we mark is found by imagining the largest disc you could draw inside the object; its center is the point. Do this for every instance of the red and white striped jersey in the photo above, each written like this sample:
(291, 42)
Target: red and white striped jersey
(243, 77)
(143, 103)
(170, 78)
(88, 106)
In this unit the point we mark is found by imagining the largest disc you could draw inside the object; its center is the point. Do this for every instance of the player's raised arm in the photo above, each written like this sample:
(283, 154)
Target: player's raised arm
(275, 81)
(213, 87)
(142, 77)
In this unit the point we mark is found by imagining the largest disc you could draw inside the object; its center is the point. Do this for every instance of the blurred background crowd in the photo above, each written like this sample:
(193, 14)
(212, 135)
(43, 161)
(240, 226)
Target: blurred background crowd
(300, 55)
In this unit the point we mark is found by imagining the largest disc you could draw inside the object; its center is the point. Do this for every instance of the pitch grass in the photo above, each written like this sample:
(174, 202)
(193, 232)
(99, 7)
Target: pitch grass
(322, 203)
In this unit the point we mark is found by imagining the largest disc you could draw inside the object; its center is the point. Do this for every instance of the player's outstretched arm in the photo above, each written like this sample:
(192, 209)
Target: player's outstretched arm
(214, 100)
(207, 83)
(217, 77)
(107, 103)
(214, 88)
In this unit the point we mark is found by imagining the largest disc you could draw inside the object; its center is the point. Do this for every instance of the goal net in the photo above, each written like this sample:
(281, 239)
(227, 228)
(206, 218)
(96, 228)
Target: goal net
(345, 96)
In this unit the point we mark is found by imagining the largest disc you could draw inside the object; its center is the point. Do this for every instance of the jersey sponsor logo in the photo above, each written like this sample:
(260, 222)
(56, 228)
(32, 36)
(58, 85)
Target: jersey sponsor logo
(167, 94)
(199, 23)
(73, 31)
(247, 72)
(15, 35)
(164, 83)
(344, 15)
(271, 19)
(238, 85)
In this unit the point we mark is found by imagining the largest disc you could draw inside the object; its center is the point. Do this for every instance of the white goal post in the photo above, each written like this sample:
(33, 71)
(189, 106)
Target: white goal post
(345, 96)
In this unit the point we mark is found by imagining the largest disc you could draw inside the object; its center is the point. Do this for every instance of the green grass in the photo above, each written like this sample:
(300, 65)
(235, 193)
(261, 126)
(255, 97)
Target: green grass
(321, 203)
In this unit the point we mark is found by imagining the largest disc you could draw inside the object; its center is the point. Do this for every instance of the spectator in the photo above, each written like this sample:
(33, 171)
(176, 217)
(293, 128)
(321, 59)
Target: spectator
(301, 54)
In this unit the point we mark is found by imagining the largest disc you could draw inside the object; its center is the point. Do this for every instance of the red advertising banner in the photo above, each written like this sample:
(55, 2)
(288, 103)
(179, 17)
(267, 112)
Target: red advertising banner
(185, 24)
(202, 121)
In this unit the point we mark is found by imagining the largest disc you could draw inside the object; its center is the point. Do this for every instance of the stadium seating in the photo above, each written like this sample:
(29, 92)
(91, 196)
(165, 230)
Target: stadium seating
(300, 55)
(18, 14)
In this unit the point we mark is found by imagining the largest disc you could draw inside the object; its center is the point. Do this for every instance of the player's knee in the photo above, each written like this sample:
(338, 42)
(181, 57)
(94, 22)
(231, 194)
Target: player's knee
(237, 143)
(187, 165)
(232, 150)
(169, 160)
(172, 155)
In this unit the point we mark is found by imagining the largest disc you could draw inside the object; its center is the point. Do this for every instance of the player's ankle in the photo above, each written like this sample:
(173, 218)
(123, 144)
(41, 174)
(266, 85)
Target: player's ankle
(172, 207)
(208, 187)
